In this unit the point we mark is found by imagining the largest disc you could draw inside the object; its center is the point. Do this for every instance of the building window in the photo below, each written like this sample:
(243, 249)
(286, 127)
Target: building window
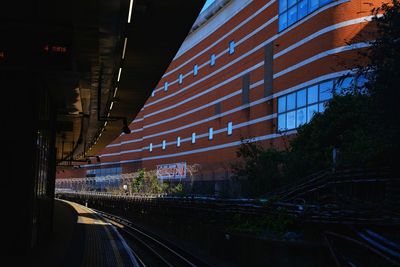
(210, 134)
(212, 60)
(230, 128)
(195, 70)
(298, 108)
(164, 144)
(193, 138)
(180, 78)
(151, 147)
(291, 11)
(152, 93)
(166, 86)
(232, 47)
(178, 141)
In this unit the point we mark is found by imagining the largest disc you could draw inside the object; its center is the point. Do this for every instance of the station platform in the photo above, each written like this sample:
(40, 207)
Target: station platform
(83, 238)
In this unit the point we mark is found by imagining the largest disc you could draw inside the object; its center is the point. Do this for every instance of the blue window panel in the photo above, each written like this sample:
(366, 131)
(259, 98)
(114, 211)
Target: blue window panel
(343, 84)
(282, 104)
(312, 96)
(301, 98)
(195, 70)
(193, 138)
(282, 122)
(324, 2)
(313, 5)
(152, 93)
(291, 3)
(325, 91)
(230, 128)
(151, 147)
(292, 15)
(291, 101)
(291, 120)
(180, 78)
(282, 5)
(311, 110)
(166, 86)
(164, 144)
(321, 107)
(302, 9)
(178, 142)
(301, 117)
(361, 80)
(231, 47)
(210, 134)
(212, 60)
(283, 21)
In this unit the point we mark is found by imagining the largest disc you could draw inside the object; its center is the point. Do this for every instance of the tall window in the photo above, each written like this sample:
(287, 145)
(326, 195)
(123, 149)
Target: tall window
(291, 11)
(152, 93)
(232, 47)
(166, 86)
(212, 60)
(151, 147)
(164, 144)
(178, 141)
(193, 138)
(210, 134)
(230, 128)
(180, 78)
(195, 70)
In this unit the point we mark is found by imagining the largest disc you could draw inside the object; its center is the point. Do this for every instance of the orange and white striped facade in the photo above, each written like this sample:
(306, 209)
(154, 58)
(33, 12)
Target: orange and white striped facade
(225, 82)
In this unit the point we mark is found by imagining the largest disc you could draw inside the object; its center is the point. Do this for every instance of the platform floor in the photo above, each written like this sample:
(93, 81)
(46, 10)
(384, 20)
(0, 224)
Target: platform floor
(82, 238)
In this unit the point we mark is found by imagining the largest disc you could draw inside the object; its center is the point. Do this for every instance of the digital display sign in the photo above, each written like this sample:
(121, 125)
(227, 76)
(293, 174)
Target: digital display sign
(39, 51)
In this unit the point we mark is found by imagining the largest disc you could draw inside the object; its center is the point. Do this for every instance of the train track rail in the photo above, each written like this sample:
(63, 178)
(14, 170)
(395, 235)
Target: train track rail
(149, 249)
(362, 247)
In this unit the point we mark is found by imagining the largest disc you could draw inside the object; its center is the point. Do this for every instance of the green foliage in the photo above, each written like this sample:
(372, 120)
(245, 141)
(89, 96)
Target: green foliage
(177, 189)
(276, 224)
(261, 167)
(147, 183)
(137, 182)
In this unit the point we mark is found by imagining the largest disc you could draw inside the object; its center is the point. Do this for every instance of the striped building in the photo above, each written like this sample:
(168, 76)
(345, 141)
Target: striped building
(253, 69)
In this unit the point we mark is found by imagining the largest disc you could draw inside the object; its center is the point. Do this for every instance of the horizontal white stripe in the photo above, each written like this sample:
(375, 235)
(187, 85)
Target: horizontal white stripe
(321, 55)
(193, 110)
(323, 31)
(213, 88)
(113, 145)
(213, 24)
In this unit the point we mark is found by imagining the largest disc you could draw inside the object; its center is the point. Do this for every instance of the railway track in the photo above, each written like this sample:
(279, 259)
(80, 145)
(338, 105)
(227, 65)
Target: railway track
(151, 250)
(362, 247)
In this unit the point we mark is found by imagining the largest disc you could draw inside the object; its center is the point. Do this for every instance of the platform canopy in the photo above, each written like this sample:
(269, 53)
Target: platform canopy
(100, 60)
